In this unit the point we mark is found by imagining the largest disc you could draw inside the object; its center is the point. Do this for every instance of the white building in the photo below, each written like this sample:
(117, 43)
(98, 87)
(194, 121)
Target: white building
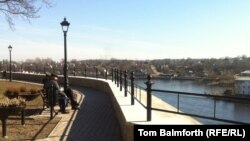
(242, 83)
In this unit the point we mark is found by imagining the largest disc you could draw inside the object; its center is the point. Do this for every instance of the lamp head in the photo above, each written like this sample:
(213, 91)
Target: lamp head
(65, 25)
(10, 47)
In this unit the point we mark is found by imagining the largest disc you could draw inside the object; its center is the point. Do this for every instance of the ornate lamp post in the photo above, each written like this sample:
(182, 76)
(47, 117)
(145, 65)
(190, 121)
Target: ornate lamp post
(65, 26)
(74, 69)
(10, 49)
(1, 64)
(21, 67)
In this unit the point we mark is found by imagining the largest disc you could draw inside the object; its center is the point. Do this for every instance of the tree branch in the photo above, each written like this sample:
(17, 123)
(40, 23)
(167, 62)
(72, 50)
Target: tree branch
(25, 9)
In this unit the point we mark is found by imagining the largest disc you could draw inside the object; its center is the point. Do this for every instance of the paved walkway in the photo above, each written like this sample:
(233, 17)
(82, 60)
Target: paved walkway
(95, 121)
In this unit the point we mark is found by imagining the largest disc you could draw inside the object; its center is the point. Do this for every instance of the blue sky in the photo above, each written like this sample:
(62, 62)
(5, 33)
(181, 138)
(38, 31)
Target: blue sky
(133, 29)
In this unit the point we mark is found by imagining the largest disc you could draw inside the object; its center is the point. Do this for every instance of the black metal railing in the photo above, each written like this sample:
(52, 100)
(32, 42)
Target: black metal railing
(213, 98)
(144, 97)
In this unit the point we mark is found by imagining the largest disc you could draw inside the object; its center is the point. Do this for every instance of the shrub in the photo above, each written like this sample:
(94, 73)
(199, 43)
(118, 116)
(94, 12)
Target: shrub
(11, 92)
(23, 89)
(15, 102)
(34, 90)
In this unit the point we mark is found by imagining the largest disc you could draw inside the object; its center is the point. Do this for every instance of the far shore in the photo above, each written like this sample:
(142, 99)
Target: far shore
(209, 81)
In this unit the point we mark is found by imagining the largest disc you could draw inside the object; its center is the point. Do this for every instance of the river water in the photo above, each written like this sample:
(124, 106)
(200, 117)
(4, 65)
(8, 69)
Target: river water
(230, 110)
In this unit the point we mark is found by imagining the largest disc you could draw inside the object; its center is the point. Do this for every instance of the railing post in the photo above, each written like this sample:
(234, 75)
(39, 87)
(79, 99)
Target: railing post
(120, 80)
(106, 74)
(4, 124)
(74, 70)
(125, 84)
(96, 73)
(117, 73)
(51, 100)
(112, 72)
(22, 116)
(149, 100)
(178, 102)
(85, 73)
(132, 78)
(214, 107)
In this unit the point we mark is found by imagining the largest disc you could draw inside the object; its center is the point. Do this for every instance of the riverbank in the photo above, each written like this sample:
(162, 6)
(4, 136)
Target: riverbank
(209, 81)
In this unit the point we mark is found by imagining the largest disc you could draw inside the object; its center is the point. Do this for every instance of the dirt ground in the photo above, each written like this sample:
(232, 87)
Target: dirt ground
(34, 128)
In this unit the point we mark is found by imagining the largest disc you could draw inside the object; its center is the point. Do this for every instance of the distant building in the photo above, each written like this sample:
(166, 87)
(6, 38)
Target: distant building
(242, 83)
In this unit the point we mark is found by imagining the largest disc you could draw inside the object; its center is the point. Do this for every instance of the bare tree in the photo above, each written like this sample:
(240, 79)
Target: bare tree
(26, 9)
